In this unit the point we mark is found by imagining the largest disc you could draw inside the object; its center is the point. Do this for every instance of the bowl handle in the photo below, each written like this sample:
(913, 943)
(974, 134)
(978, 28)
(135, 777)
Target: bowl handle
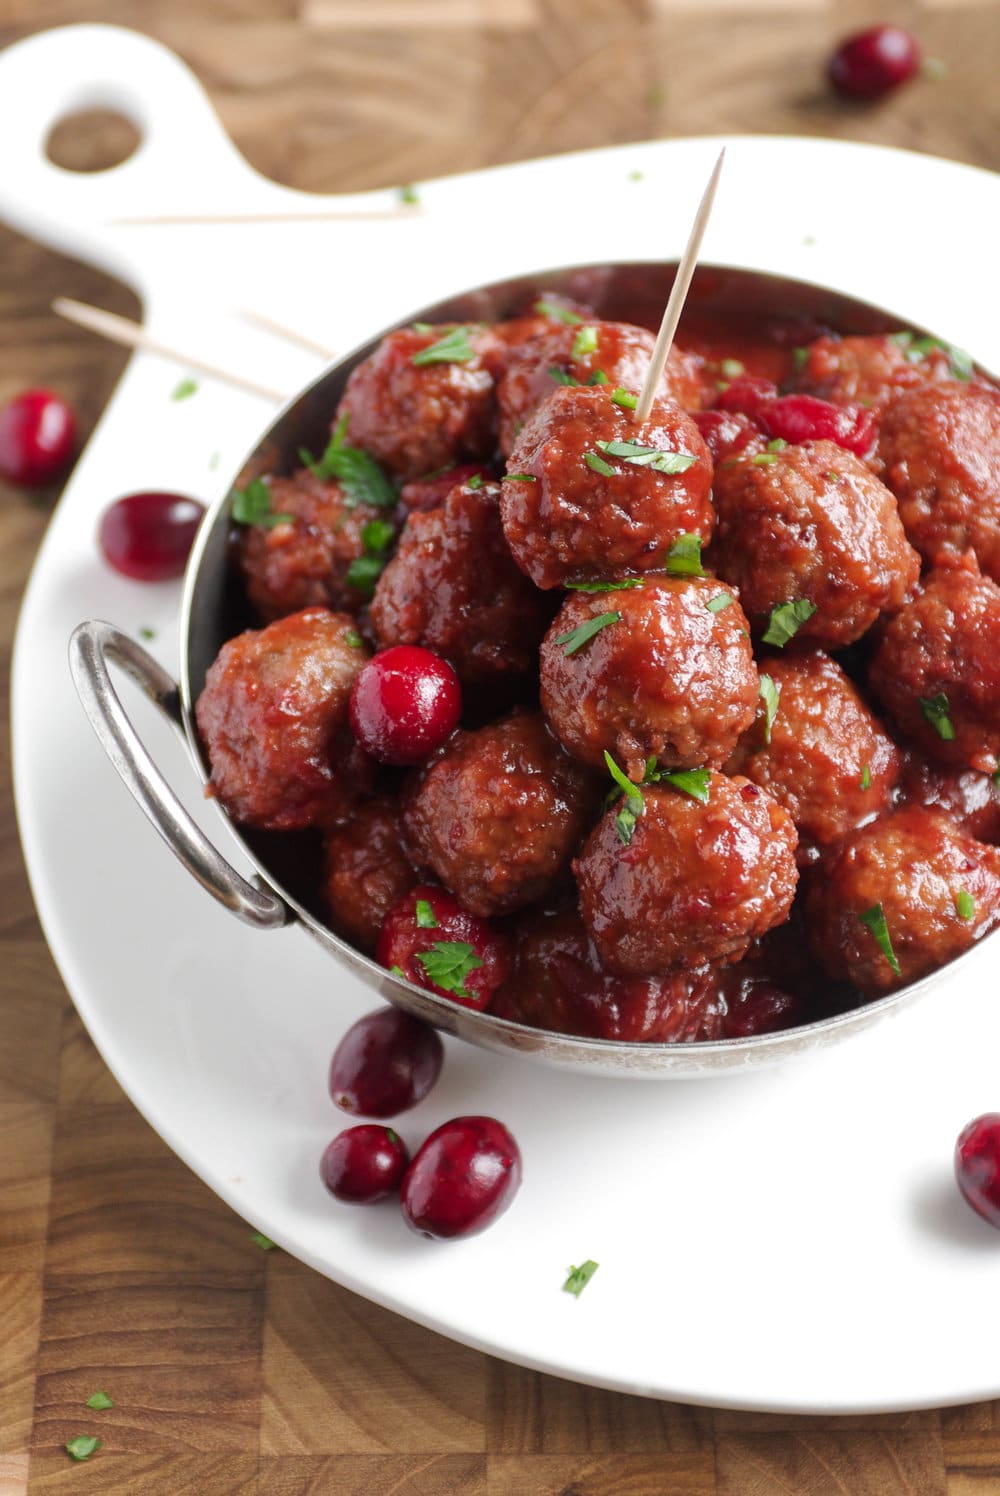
(91, 647)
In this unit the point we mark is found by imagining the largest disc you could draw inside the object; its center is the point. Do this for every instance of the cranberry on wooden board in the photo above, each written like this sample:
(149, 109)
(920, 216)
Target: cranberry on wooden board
(385, 1063)
(437, 944)
(405, 703)
(977, 1165)
(37, 438)
(364, 1164)
(462, 1178)
(147, 536)
(872, 63)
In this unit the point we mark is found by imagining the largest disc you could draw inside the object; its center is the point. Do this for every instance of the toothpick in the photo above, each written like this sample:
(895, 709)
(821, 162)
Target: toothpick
(279, 330)
(304, 215)
(678, 295)
(133, 335)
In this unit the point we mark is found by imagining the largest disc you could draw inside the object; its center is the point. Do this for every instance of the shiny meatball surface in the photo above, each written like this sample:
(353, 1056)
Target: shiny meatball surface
(273, 716)
(498, 814)
(672, 676)
(566, 519)
(811, 522)
(453, 587)
(367, 871)
(697, 882)
(938, 891)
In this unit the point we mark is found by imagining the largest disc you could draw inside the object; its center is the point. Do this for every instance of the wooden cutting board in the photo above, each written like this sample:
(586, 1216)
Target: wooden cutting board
(235, 1370)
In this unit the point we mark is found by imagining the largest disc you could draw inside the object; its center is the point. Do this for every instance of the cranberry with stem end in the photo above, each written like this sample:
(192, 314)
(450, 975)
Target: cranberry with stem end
(872, 63)
(364, 1164)
(385, 1063)
(37, 438)
(441, 946)
(147, 536)
(977, 1165)
(461, 1179)
(405, 703)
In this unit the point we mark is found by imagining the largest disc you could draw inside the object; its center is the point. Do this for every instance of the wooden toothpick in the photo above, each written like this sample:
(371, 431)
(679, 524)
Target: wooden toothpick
(678, 295)
(133, 335)
(279, 330)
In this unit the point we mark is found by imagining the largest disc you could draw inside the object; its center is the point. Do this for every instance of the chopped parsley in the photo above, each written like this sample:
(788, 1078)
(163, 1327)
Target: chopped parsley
(252, 506)
(936, 713)
(786, 620)
(561, 377)
(693, 782)
(769, 694)
(184, 389)
(764, 459)
(426, 919)
(731, 368)
(353, 638)
(448, 963)
(684, 557)
(579, 1277)
(476, 481)
(585, 341)
(623, 584)
(917, 348)
(357, 472)
(996, 779)
(146, 632)
(364, 572)
(623, 398)
(453, 348)
(874, 918)
(777, 444)
(598, 377)
(636, 175)
(521, 478)
(584, 632)
(632, 809)
(558, 313)
(651, 457)
(717, 604)
(99, 1401)
(933, 69)
(397, 971)
(408, 194)
(377, 535)
(800, 357)
(264, 1242)
(965, 904)
(598, 464)
(866, 777)
(82, 1447)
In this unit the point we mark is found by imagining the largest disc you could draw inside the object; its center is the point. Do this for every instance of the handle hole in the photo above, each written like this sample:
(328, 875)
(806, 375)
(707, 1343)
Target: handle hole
(92, 140)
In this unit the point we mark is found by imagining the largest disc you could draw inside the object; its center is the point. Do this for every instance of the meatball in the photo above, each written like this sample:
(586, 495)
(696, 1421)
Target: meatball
(498, 814)
(273, 718)
(367, 872)
(940, 450)
(696, 882)
(829, 762)
(937, 670)
(307, 561)
(871, 370)
(670, 674)
(971, 800)
(453, 587)
(566, 519)
(414, 417)
(580, 354)
(812, 523)
(936, 889)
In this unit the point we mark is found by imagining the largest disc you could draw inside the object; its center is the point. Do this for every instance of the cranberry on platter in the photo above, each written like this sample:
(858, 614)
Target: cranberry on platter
(385, 1063)
(405, 703)
(37, 438)
(147, 536)
(432, 941)
(872, 63)
(806, 418)
(977, 1165)
(461, 1179)
(364, 1164)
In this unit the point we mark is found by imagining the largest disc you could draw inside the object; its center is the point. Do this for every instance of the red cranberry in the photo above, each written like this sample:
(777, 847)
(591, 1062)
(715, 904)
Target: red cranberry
(37, 438)
(430, 493)
(462, 1178)
(757, 1006)
(405, 703)
(364, 1164)
(977, 1165)
(746, 395)
(385, 1063)
(147, 536)
(872, 63)
(806, 418)
(726, 432)
(439, 945)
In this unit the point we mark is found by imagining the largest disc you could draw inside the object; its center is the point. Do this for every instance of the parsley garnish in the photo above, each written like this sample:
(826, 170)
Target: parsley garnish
(584, 632)
(731, 368)
(521, 478)
(866, 777)
(965, 904)
(916, 350)
(426, 919)
(936, 713)
(397, 971)
(621, 585)
(264, 1242)
(800, 357)
(786, 620)
(684, 557)
(636, 176)
(561, 377)
(377, 535)
(453, 348)
(996, 779)
(693, 782)
(82, 1447)
(777, 444)
(598, 464)
(623, 398)
(99, 1402)
(632, 809)
(353, 638)
(147, 633)
(364, 572)
(585, 342)
(408, 194)
(558, 313)
(769, 694)
(184, 389)
(874, 918)
(716, 604)
(476, 481)
(357, 472)
(764, 459)
(448, 963)
(579, 1277)
(252, 506)
(598, 377)
(651, 457)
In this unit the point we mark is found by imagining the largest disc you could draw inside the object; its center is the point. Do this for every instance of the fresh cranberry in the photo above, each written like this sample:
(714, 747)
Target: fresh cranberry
(746, 395)
(806, 418)
(147, 536)
(439, 945)
(462, 1178)
(977, 1165)
(405, 703)
(726, 432)
(364, 1164)
(385, 1063)
(430, 493)
(37, 438)
(872, 63)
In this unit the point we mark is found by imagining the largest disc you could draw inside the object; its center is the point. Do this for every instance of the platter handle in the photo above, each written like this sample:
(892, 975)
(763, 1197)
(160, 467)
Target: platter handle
(91, 647)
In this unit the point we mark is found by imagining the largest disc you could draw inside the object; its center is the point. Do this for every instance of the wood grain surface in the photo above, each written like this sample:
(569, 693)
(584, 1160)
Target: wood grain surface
(235, 1370)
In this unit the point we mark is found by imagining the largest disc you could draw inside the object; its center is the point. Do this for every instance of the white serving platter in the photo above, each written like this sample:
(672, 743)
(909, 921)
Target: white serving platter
(788, 1239)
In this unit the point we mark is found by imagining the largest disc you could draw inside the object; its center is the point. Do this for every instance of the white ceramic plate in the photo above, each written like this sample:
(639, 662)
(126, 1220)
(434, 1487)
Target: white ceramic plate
(790, 1239)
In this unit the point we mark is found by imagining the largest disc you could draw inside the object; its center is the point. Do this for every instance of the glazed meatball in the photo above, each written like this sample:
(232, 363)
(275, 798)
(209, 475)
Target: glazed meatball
(671, 676)
(937, 670)
(812, 523)
(498, 814)
(696, 882)
(292, 566)
(580, 354)
(367, 872)
(829, 762)
(414, 417)
(453, 587)
(566, 519)
(940, 450)
(273, 715)
(871, 370)
(938, 891)
(971, 800)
